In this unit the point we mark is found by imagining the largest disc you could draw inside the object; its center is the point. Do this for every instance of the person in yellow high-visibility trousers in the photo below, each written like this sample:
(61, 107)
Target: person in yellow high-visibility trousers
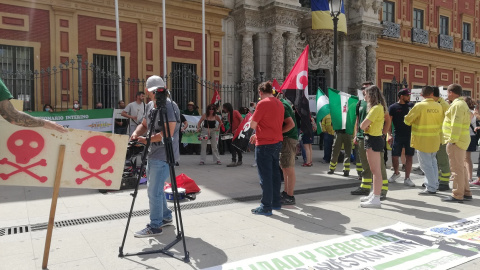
(442, 157)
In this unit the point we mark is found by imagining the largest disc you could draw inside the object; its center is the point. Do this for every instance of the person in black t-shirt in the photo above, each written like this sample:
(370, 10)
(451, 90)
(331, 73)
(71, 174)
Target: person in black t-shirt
(401, 136)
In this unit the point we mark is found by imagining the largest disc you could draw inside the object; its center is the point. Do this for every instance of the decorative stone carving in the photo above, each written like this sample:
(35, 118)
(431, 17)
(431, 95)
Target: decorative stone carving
(247, 57)
(371, 63)
(320, 54)
(359, 64)
(445, 42)
(277, 55)
(376, 5)
(419, 35)
(291, 51)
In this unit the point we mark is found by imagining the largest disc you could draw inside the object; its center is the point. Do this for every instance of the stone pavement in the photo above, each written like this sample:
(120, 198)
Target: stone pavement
(218, 225)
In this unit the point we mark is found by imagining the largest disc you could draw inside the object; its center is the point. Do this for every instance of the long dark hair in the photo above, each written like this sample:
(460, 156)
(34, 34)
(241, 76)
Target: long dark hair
(211, 106)
(229, 108)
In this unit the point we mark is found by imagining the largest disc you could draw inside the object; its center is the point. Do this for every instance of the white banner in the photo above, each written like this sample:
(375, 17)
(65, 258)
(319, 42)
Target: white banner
(399, 246)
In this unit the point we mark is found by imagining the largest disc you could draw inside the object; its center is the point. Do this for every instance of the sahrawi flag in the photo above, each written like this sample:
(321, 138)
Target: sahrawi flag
(342, 110)
(323, 108)
(242, 136)
(295, 89)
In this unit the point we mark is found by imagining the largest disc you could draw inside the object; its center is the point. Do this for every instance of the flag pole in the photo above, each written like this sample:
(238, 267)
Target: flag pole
(164, 41)
(119, 57)
(204, 69)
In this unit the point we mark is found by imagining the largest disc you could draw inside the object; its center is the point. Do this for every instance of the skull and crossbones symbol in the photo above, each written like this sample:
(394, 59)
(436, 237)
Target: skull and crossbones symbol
(96, 151)
(24, 145)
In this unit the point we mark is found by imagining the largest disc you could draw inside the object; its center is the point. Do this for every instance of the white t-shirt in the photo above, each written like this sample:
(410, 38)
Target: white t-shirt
(135, 109)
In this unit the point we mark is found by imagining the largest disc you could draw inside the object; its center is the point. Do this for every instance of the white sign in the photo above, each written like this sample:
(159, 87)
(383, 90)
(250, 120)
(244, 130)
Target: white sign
(28, 157)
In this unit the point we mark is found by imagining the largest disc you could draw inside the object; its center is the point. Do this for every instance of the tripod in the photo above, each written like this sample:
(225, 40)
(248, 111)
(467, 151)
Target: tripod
(161, 110)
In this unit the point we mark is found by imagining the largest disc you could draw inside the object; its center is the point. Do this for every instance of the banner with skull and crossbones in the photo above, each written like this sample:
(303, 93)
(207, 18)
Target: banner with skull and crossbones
(29, 156)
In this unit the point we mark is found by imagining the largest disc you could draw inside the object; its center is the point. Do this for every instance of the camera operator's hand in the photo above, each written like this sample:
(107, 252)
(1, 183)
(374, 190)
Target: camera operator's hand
(142, 139)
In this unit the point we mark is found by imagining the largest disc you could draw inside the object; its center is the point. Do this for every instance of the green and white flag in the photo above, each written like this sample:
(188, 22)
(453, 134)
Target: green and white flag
(342, 110)
(323, 108)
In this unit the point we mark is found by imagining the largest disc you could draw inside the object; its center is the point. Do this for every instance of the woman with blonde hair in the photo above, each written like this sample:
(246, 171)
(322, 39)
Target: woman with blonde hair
(374, 142)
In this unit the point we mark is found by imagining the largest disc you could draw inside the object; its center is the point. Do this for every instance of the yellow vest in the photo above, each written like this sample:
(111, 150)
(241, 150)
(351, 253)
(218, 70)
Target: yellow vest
(426, 119)
(327, 125)
(456, 125)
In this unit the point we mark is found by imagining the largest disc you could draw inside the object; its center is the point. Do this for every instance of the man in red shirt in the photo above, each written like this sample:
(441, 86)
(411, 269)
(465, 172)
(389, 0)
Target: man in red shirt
(267, 122)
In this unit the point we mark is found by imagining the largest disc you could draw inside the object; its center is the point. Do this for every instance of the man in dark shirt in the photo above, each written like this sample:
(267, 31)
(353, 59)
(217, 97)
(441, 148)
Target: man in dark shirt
(401, 136)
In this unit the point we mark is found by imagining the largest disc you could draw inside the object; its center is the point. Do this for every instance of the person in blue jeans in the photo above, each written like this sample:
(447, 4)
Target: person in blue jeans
(268, 139)
(157, 167)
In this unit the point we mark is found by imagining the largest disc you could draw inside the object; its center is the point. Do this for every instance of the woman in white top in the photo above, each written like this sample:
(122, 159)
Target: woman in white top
(473, 138)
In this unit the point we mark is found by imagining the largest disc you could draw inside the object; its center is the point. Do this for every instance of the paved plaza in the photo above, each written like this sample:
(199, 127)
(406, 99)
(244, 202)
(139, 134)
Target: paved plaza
(218, 225)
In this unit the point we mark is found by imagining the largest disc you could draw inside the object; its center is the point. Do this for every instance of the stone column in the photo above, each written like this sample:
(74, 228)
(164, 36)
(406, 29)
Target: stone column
(291, 52)
(247, 57)
(359, 64)
(371, 64)
(278, 63)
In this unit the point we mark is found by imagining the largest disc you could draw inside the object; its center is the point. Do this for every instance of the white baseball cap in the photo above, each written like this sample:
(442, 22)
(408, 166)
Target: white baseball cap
(154, 82)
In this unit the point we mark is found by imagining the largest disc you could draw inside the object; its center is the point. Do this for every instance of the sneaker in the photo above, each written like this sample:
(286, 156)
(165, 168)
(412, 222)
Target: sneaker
(451, 199)
(167, 222)
(426, 192)
(254, 165)
(233, 164)
(475, 183)
(260, 211)
(408, 182)
(288, 200)
(284, 194)
(372, 203)
(239, 163)
(393, 178)
(219, 162)
(331, 172)
(346, 173)
(360, 191)
(467, 198)
(366, 198)
(201, 163)
(148, 232)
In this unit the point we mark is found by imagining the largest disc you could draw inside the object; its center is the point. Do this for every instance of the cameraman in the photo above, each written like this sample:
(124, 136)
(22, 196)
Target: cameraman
(158, 169)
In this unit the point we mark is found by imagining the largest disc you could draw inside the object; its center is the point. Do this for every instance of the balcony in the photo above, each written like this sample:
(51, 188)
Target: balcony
(445, 42)
(468, 46)
(391, 29)
(419, 35)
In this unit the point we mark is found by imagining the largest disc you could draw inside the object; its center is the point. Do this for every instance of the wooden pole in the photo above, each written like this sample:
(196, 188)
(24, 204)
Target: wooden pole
(53, 207)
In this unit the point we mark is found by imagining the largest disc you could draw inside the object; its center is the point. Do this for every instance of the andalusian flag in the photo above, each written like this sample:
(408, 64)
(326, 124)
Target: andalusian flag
(323, 108)
(321, 18)
(342, 110)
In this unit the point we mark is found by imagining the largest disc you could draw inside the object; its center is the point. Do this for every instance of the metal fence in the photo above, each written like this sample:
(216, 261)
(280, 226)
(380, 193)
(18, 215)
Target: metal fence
(89, 83)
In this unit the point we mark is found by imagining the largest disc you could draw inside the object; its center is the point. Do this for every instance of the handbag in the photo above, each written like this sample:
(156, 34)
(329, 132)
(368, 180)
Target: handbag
(226, 136)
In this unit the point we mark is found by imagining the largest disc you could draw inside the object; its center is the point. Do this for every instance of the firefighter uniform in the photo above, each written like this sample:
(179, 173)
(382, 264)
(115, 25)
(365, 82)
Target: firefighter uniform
(442, 157)
(345, 139)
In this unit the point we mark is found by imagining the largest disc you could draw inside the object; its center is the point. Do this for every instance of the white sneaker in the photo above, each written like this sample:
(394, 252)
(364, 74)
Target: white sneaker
(408, 182)
(374, 202)
(254, 165)
(393, 178)
(366, 198)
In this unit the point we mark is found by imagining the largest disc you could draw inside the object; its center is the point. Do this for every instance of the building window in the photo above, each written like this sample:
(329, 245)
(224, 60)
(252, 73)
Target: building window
(467, 93)
(184, 83)
(16, 71)
(417, 18)
(105, 81)
(388, 11)
(466, 31)
(443, 25)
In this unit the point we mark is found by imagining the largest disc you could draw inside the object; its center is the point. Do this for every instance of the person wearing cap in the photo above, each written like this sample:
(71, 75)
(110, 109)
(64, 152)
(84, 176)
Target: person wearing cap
(135, 111)
(456, 135)
(401, 137)
(191, 109)
(426, 119)
(157, 165)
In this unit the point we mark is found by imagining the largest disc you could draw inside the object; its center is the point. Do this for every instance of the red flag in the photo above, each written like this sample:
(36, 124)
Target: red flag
(243, 134)
(216, 98)
(242, 125)
(295, 89)
(298, 77)
(276, 85)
